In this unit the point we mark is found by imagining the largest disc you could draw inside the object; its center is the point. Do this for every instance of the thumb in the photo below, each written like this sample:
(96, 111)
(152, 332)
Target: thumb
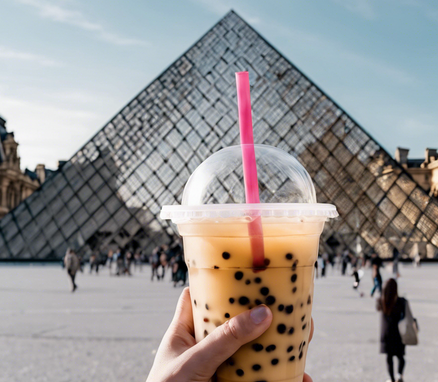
(225, 340)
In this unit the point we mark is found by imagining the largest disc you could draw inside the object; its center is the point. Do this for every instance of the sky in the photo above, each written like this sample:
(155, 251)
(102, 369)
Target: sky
(68, 66)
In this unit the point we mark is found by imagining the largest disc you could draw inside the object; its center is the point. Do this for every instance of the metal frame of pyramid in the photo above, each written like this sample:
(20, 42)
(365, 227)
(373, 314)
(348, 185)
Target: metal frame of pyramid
(111, 191)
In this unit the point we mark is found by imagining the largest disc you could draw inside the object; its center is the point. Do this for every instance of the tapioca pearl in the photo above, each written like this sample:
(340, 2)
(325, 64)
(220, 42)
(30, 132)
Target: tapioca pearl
(205, 333)
(215, 267)
(274, 361)
(194, 301)
(304, 343)
(280, 307)
(238, 275)
(294, 278)
(266, 261)
(281, 328)
(292, 358)
(240, 372)
(270, 300)
(257, 280)
(206, 307)
(258, 302)
(226, 255)
(243, 300)
(231, 300)
(206, 319)
(301, 346)
(294, 265)
(302, 305)
(247, 282)
(304, 326)
(264, 291)
(257, 347)
(294, 290)
(270, 348)
(256, 367)
(230, 361)
(309, 300)
(227, 315)
(291, 331)
(290, 348)
(262, 381)
(289, 256)
(303, 318)
(289, 309)
(301, 355)
(250, 307)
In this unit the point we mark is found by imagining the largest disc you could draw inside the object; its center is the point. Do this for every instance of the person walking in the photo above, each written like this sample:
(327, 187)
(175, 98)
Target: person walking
(154, 260)
(72, 265)
(392, 308)
(376, 263)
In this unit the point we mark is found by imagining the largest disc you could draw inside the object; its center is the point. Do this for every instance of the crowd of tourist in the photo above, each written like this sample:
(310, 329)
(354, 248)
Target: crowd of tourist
(162, 258)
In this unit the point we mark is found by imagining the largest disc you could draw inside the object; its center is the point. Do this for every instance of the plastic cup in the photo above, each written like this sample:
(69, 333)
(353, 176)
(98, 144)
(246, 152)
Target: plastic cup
(217, 247)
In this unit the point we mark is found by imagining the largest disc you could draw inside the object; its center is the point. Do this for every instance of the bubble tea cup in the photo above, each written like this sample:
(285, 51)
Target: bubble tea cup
(213, 220)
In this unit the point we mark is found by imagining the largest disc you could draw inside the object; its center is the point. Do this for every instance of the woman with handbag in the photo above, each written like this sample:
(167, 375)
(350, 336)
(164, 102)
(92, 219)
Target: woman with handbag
(392, 308)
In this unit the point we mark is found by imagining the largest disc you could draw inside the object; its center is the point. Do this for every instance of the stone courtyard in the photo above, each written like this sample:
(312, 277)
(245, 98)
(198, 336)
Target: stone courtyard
(110, 328)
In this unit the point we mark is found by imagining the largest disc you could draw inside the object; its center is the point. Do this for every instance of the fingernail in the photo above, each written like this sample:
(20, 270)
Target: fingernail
(259, 314)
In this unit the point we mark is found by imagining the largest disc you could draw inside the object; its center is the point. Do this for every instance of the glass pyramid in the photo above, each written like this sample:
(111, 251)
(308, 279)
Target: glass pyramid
(110, 192)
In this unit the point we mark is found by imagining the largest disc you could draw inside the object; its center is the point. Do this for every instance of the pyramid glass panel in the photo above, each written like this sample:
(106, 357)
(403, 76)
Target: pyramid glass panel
(110, 192)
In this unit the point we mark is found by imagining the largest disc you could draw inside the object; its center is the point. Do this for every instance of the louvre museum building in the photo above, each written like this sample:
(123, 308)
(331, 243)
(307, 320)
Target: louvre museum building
(109, 194)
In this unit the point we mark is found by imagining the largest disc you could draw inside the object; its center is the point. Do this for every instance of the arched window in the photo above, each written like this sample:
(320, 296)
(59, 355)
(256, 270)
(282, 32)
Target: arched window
(10, 197)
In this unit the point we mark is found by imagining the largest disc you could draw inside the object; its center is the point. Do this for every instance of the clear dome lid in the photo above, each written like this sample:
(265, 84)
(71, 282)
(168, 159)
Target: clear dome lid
(217, 189)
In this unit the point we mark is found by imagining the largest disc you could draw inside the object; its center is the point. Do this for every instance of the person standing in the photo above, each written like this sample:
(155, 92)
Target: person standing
(345, 260)
(137, 261)
(392, 308)
(120, 263)
(72, 264)
(128, 259)
(154, 260)
(395, 260)
(325, 262)
(376, 263)
(110, 260)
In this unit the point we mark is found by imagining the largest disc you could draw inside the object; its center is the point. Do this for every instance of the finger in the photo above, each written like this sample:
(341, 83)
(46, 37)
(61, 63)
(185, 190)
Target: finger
(183, 317)
(226, 339)
(307, 378)
(312, 328)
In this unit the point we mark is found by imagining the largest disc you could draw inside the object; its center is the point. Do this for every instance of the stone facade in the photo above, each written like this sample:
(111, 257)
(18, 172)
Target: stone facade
(15, 186)
(423, 171)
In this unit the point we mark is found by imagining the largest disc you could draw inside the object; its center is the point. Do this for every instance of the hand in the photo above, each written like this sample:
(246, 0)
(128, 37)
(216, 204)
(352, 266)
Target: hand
(181, 359)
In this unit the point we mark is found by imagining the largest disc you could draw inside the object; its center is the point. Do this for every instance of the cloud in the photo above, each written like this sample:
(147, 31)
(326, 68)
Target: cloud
(11, 54)
(362, 7)
(53, 11)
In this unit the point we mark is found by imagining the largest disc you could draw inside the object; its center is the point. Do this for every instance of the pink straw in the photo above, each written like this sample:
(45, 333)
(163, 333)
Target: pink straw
(255, 229)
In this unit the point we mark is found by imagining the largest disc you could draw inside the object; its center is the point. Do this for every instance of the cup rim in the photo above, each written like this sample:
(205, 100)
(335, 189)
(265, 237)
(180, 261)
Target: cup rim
(205, 211)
